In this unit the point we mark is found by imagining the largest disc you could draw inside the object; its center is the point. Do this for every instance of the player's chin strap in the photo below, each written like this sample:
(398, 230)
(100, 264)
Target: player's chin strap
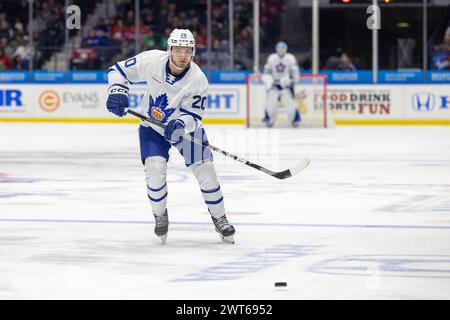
(299, 167)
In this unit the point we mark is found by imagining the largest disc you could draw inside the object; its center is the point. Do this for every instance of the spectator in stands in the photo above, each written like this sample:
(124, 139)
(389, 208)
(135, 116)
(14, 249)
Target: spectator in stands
(111, 23)
(18, 26)
(84, 58)
(149, 42)
(129, 19)
(333, 61)
(340, 61)
(195, 25)
(54, 33)
(93, 41)
(171, 12)
(22, 11)
(123, 7)
(146, 7)
(220, 57)
(45, 11)
(143, 31)
(5, 61)
(8, 46)
(200, 39)
(125, 52)
(38, 24)
(305, 62)
(441, 53)
(5, 30)
(101, 29)
(149, 20)
(242, 58)
(23, 54)
(119, 30)
(345, 63)
(163, 39)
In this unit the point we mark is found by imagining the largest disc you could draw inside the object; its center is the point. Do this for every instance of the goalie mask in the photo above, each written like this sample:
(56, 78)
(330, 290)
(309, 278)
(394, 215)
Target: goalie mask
(281, 48)
(180, 38)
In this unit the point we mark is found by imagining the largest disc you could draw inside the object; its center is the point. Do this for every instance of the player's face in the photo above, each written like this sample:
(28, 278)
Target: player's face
(447, 37)
(181, 56)
(281, 51)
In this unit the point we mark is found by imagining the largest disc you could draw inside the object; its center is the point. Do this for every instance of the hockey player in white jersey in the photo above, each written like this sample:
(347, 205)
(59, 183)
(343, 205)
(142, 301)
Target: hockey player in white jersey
(281, 74)
(176, 93)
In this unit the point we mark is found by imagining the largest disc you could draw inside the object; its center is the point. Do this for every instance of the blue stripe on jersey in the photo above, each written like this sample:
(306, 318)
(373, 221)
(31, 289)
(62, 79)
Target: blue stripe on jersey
(196, 116)
(140, 82)
(158, 200)
(156, 190)
(211, 190)
(214, 202)
(120, 85)
(121, 71)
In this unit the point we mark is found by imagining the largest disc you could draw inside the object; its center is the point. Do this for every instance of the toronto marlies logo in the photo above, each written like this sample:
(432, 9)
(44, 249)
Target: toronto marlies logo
(280, 67)
(157, 108)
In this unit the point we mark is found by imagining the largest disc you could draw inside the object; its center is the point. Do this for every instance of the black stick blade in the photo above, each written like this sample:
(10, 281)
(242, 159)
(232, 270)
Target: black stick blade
(302, 165)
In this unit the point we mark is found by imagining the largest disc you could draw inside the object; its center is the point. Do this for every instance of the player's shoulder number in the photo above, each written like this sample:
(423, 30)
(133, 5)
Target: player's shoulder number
(199, 102)
(130, 62)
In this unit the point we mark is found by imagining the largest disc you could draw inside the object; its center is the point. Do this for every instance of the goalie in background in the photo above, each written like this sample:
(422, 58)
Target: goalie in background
(281, 74)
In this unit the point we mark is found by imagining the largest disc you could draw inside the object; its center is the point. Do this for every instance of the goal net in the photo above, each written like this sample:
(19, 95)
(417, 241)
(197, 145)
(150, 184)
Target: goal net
(310, 97)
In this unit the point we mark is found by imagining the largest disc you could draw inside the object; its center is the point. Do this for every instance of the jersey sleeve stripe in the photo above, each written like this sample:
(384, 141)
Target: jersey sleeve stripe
(196, 116)
(121, 71)
(120, 85)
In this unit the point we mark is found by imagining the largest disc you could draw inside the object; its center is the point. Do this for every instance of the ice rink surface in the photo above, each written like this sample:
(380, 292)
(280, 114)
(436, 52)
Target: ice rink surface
(369, 219)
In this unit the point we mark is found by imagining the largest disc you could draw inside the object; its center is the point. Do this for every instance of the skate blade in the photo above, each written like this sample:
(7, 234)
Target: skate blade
(228, 239)
(163, 238)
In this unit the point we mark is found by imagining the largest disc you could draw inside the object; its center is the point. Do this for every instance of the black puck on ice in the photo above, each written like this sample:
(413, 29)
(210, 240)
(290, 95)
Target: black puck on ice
(280, 284)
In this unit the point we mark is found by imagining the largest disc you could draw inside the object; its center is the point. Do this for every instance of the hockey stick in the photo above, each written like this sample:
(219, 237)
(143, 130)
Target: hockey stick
(279, 175)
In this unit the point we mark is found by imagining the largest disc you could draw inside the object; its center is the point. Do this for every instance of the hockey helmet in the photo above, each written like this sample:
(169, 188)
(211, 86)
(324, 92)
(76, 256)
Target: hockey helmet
(281, 48)
(181, 38)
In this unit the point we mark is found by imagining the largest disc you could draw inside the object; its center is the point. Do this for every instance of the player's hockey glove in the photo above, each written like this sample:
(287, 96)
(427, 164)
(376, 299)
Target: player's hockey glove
(174, 131)
(285, 82)
(117, 99)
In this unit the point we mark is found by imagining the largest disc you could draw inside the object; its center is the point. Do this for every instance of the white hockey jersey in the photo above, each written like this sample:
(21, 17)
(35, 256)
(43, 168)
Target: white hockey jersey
(280, 67)
(167, 97)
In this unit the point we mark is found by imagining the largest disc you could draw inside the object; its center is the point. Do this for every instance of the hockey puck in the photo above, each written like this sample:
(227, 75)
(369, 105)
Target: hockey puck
(280, 284)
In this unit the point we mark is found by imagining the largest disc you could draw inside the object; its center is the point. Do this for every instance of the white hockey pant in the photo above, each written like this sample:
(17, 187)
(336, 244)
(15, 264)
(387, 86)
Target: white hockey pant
(284, 96)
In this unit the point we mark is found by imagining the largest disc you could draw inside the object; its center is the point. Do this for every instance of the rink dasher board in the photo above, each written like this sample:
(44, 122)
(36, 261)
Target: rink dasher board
(348, 104)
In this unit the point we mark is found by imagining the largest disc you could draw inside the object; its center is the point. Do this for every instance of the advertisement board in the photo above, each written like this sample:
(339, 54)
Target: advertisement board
(392, 103)
(381, 104)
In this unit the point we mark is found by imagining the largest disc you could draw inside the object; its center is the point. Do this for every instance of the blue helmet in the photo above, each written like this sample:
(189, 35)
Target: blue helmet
(281, 48)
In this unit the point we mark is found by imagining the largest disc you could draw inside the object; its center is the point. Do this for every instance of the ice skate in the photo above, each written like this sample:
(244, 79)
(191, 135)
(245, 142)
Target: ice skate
(162, 226)
(224, 228)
